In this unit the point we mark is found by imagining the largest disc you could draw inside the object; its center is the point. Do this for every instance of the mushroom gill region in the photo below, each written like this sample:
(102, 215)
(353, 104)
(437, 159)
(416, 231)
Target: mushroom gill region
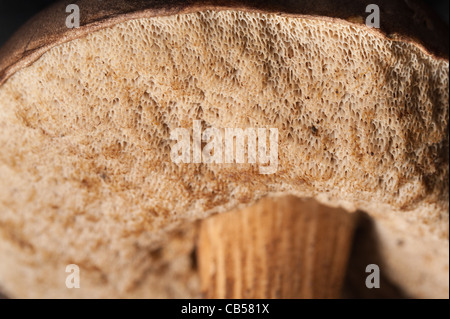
(85, 130)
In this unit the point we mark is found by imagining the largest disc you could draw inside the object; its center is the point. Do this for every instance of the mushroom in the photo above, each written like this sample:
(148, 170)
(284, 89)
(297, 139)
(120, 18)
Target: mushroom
(87, 179)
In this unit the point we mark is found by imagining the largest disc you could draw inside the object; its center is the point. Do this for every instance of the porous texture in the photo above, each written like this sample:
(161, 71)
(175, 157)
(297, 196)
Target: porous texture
(87, 176)
(410, 21)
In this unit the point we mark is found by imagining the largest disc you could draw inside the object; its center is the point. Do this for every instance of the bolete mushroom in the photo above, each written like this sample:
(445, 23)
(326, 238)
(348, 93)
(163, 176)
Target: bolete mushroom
(86, 116)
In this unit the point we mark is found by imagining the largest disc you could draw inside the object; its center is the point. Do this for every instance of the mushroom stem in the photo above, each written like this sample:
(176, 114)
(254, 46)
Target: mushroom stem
(278, 248)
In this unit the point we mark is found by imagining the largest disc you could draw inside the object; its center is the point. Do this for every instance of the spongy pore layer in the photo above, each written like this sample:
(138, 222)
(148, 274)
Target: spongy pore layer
(86, 172)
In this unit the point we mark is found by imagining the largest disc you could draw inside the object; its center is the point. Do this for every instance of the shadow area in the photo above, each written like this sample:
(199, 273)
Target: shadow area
(365, 251)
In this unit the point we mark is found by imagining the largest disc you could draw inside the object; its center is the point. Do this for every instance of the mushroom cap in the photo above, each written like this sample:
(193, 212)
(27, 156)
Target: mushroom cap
(409, 21)
(86, 116)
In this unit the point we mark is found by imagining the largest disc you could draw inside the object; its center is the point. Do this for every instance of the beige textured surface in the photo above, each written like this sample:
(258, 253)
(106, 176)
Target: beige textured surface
(85, 161)
(416, 264)
(410, 21)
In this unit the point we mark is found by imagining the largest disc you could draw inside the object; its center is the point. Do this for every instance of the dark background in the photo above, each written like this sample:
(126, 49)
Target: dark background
(14, 13)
